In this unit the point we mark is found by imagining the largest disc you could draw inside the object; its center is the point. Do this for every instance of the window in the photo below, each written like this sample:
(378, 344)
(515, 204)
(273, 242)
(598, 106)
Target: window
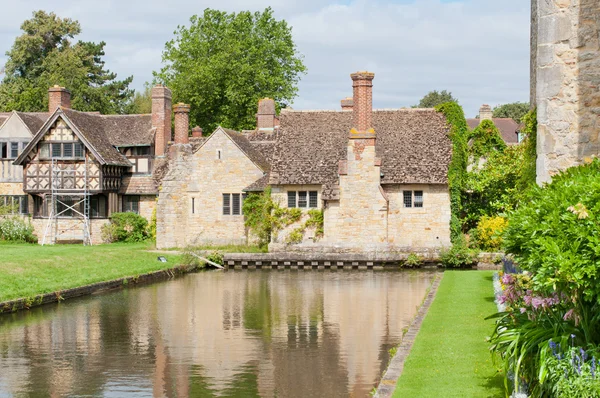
(236, 204)
(68, 206)
(302, 199)
(407, 198)
(305, 199)
(312, 199)
(131, 203)
(226, 204)
(218, 154)
(38, 207)
(61, 150)
(418, 198)
(413, 201)
(291, 199)
(232, 204)
(193, 206)
(98, 206)
(14, 150)
(13, 204)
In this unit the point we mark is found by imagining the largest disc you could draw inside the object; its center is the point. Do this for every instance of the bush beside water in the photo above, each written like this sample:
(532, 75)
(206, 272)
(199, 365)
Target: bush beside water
(549, 336)
(16, 229)
(125, 227)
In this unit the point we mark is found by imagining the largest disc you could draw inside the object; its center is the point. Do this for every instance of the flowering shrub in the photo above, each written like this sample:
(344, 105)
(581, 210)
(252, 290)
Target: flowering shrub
(17, 230)
(459, 255)
(489, 232)
(125, 227)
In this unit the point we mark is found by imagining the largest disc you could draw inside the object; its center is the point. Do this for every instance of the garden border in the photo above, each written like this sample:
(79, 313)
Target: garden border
(60, 295)
(388, 382)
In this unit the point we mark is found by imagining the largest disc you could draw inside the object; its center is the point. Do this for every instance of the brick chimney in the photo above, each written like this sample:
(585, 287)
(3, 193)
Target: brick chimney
(265, 118)
(182, 123)
(58, 96)
(347, 104)
(197, 132)
(485, 113)
(362, 85)
(161, 118)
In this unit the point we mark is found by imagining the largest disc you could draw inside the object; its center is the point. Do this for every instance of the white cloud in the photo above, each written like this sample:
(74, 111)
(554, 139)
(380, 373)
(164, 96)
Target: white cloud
(478, 49)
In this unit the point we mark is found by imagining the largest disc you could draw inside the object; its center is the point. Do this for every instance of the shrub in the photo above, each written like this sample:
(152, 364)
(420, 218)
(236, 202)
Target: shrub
(489, 232)
(555, 234)
(573, 373)
(412, 261)
(152, 225)
(15, 229)
(459, 255)
(125, 227)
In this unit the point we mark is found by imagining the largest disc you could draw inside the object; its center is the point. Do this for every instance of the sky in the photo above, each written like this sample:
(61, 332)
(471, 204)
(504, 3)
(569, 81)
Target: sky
(476, 49)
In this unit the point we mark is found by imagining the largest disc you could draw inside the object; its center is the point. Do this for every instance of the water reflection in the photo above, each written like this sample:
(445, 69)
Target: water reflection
(228, 334)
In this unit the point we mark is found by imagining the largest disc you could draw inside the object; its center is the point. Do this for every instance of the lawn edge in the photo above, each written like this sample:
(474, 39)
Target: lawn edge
(19, 304)
(388, 382)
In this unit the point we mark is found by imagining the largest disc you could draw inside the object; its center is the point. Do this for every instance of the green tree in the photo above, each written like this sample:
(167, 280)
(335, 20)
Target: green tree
(435, 98)
(141, 103)
(515, 111)
(223, 63)
(44, 55)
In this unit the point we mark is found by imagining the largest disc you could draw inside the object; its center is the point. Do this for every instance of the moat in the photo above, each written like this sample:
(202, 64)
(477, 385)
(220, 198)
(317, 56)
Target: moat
(236, 333)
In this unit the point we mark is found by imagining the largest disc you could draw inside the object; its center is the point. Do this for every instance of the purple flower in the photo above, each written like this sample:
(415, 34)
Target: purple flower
(537, 302)
(523, 310)
(583, 354)
(593, 368)
(569, 315)
(527, 299)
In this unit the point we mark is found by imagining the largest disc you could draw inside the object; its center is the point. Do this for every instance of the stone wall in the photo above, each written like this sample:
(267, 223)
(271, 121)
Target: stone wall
(147, 205)
(69, 226)
(11, 188)
(203, 176)
(567, 81)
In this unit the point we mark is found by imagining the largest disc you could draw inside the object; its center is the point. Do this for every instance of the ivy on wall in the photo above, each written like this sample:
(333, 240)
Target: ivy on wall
(458, 165)
(265, 218)
(529, 130)
(483, 140)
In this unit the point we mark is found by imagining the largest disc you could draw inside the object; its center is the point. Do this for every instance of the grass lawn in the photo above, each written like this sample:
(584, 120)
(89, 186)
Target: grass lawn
(450, 357)
(28, 270)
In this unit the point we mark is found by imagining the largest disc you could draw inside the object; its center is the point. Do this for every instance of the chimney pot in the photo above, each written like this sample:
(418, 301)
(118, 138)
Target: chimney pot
(362, 87)
(161, 118)
(265, 118)
(197, 132)
(347, 104)
(182, 123)
(58, 97)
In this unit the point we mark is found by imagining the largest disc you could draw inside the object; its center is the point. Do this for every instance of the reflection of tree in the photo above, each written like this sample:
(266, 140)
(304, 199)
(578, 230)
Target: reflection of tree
(257, 307)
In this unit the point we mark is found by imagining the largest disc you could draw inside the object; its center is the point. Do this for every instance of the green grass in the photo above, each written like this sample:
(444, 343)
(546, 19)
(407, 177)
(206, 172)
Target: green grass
(450, 357)
(28, 270)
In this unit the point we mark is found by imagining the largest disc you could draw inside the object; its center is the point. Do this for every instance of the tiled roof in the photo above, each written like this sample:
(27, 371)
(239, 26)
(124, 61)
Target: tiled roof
(3, 117)
(94, 130)
(128, 130)
(138, 185)
(258, 185)
(249, 149)
(508, 128)
(34, 120)
(413, 145)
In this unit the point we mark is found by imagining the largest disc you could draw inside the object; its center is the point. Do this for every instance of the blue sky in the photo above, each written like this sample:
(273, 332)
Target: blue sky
(477, 49)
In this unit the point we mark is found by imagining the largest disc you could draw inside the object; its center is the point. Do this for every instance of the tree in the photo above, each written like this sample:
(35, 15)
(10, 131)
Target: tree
(435, 98)
(44, 56)
(223, 63)
(515, 110)
(141, 102)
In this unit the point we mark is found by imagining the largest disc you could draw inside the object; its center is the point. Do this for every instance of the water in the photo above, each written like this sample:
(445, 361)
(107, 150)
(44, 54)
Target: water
(228, 334)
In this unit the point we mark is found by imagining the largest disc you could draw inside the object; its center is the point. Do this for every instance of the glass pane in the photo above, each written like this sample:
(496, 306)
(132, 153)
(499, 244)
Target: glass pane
(407, 198)
(45, 151)
(226, 204)
(236, 204)
(14, 150)
(56, 153)
(312, 199)
(292, 199)
(302, 199)
(418, 198)
(78, 150)
(68, 150)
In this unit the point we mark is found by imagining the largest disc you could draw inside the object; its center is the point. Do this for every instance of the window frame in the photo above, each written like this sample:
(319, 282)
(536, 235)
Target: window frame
(76, 147)
(127, 204)
(407, 199)
(18, 202)
(416, 203)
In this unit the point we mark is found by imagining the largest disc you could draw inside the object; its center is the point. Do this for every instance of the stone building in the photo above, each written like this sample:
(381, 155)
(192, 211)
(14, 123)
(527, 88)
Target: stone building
(509, 128)
(53, 161)
(565, 81)
(379, 178)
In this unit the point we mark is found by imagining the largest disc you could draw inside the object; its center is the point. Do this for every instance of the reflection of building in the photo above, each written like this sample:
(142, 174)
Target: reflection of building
(236, 334)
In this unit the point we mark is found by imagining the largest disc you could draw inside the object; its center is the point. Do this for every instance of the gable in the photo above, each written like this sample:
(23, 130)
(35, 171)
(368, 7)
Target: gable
(14, 127)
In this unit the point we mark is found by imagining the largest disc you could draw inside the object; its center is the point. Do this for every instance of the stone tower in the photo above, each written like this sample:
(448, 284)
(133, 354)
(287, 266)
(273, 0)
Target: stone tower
(565, 82)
